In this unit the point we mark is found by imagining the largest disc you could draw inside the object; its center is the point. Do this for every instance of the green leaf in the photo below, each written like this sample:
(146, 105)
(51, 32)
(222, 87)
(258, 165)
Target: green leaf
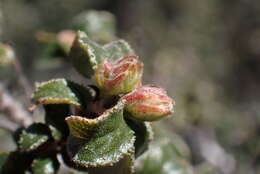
(46, 165)
(86, 54)
(118, 49)
(85, 94)
(57, 95)
(118, 168)
(122, 167)
(102, 141)
(99, 25)
(143, 133)
(163, 158)
(33, 137)
(161, 131)
(55, 133)
(56, 91)
(62, 91)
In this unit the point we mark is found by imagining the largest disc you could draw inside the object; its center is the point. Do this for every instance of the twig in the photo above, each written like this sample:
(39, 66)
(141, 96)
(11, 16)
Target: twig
(8, 125)
(22, 78)
(12, 109)
(205, 146)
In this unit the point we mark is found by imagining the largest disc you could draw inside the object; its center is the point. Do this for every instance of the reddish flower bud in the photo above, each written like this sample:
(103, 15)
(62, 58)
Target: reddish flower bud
(148, 103)
(120, 76)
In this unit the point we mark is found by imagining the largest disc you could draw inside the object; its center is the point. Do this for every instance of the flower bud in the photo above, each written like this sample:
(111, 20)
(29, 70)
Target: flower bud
(148, 103)
(120, 76)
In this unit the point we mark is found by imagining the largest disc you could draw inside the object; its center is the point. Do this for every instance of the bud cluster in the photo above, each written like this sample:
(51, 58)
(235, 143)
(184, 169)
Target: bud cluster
(124, 76)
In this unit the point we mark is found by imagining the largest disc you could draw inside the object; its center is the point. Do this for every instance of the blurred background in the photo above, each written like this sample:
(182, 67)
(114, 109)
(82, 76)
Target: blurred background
(205, 53)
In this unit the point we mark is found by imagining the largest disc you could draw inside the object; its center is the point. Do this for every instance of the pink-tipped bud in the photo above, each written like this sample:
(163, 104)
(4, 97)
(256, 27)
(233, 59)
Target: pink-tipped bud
(148, 103)
(120, 76)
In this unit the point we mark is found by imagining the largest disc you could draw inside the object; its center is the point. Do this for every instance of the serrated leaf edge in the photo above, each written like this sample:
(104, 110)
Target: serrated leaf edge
(149, 130)
(132, 158)
(34, 146)
(105, 115)
(52, 100)
(88, 48)
(128, 152)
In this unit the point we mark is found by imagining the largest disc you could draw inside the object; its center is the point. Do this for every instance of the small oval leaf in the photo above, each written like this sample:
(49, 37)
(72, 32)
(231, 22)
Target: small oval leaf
(86, 54)
(56, 91)
(108, 139)
(33, 137)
